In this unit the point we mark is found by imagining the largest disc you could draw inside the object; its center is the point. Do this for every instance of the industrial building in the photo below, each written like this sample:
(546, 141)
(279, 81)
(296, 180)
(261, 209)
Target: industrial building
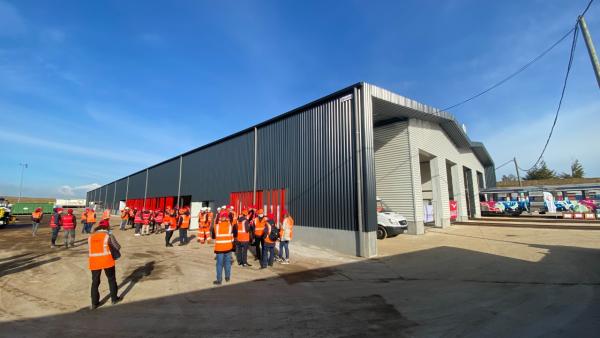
(327, 163)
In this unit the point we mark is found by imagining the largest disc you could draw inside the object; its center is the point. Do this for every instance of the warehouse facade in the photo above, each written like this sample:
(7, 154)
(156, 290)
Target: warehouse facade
(327, 163)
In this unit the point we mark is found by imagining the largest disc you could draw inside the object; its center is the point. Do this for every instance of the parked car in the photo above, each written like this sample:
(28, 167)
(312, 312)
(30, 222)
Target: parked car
(389, 223)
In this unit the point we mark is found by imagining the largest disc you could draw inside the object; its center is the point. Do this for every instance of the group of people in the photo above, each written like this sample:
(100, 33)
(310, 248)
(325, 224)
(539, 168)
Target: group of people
(231, 233)
(67, 223)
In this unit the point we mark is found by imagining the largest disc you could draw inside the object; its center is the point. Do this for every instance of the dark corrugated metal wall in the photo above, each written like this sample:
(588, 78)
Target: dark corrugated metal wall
(121, 190)
(310, 154)
(164, 179)
(110, 194)
(211, 174)
(137, 185)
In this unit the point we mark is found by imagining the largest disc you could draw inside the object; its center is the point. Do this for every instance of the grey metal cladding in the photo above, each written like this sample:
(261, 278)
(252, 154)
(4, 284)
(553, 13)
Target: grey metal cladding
(121, 190)
(212, 173)
(137, 185)
(368, 160)
(110, 194)
(163, 180)
(311, 155)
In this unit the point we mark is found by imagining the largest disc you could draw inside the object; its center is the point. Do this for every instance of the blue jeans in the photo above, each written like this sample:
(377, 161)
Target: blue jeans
(88, 227)
(268, 255)
(123, 224)
(284, 245)
(223, 261)
(183, 238)
(35, 227)
(83, 227)
(55, 235)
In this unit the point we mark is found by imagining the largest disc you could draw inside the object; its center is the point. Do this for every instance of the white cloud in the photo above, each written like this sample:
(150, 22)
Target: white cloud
(75, 148)
(67, 190)
(11, 22)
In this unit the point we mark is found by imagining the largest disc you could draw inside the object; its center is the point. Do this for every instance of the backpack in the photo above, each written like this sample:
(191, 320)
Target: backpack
(274, 234)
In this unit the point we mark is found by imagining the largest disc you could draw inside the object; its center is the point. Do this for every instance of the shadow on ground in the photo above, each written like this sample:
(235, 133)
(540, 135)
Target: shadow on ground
(444, 291)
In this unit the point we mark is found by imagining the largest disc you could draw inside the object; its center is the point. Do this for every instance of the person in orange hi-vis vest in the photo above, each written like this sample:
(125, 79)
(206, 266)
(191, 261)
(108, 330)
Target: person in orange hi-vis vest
(91, 220)
(83, 220)
(271, 235)
(204, 220)
(258, 229)
(242, 239)
(170, 223)
(106, 214)
(55, 224)
(286, 232)
(36, 219)
(101, 246)
(124, 218)
(223, 234)
(183, 224)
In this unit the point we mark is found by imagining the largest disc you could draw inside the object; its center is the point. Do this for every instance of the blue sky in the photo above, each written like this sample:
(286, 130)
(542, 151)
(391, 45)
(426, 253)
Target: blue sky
(92, 91)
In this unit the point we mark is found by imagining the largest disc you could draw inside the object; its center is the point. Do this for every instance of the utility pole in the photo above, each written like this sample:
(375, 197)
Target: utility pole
(590, 47)
(23, 167)
(517, 170)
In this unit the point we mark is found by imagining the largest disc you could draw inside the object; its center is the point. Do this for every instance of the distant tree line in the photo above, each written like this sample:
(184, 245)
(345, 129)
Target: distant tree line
(542, 172)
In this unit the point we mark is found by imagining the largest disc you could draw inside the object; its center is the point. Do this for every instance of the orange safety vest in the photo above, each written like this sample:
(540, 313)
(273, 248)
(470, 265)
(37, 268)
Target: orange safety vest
(84, 217)
(106, 214)
(223, 237)
(91, 217)
(173, 222)
(259, 226)
(290, 222)
(124, 215)
(268, 230)
(185, 222)
(36, 215)
(242, 235)
(200, 220)
(209, 218)
(99, 251)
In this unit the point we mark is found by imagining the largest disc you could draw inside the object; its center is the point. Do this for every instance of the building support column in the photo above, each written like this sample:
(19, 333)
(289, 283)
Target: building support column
(458, 183)
(439, 182)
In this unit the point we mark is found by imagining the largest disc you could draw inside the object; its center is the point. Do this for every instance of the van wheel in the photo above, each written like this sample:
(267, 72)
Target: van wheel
(381, 233)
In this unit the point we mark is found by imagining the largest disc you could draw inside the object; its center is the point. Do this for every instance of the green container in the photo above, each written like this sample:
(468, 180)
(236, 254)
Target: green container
(28, 208)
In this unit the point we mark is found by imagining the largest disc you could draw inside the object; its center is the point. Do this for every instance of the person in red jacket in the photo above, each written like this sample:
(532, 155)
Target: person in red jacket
(69, 222)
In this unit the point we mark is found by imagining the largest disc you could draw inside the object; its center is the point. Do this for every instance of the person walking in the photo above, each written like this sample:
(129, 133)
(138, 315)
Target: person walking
(132, 213)
(138, 221)
(91, 220)
(271, 235)
(286, 233)
(223, 234)
(55, 224)
(170, 222)
(69, 222)
(260, 223)
(242, 239)
(84, 220)
(36, 219)
(183, 223)
(101, 246)
(124, 218)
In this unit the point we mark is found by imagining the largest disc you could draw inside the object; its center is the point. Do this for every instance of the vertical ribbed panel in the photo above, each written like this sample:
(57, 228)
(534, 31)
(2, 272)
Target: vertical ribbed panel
(392, 164)
(212, 173)
(163, 180)
(368, 159)
(110, 194)
(310, 155)
(137, 185)
(121, 191)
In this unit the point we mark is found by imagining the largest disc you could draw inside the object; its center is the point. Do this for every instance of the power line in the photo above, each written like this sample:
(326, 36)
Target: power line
(503, 164)
(586, 8)
(562, 95)
(497, 84)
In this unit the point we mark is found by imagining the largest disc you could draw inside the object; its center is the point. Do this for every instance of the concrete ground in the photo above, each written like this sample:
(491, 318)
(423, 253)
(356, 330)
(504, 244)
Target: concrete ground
(462, 281)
